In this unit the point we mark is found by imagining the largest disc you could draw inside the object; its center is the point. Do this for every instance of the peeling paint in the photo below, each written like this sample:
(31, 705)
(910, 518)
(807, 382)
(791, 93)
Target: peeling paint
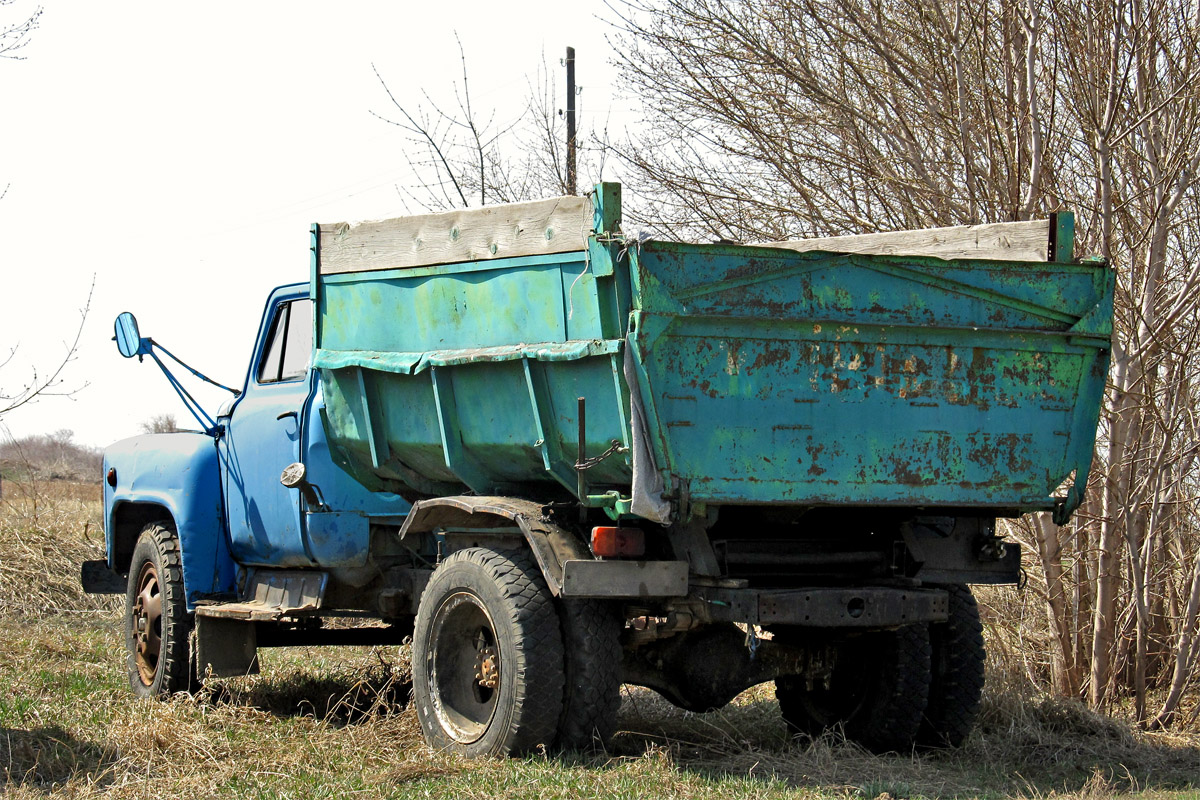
(773, 378)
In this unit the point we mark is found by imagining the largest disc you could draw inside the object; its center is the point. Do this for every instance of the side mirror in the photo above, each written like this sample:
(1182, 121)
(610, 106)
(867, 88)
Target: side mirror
(129, 340)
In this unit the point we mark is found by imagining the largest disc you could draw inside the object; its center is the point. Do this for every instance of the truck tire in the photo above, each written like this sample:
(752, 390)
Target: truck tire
(487, 655)
(877, 695)
(958, 658)
(591, 638)
(157, 625)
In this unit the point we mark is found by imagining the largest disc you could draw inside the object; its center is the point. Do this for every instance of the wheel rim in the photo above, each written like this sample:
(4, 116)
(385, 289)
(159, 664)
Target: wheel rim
(856, 670)
(147, 623)
(840, 704)
(465, 667)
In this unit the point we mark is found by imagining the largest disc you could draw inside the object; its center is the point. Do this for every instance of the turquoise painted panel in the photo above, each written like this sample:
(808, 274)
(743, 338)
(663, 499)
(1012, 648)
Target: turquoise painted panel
(768, 376)
(403, 406)
(779, 377)
(517, 300)
(476, 424)
(495, 427)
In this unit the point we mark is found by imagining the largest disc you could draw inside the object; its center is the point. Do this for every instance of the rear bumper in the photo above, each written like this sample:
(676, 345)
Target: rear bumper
(827, 607)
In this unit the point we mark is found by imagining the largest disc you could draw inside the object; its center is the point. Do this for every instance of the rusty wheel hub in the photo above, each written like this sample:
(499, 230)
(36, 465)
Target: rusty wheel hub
(146, 615)
(464, 667)
(487, 667)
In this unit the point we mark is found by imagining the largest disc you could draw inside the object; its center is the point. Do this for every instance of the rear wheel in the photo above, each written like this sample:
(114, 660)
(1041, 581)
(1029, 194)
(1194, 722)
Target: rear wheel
(958, 672)
(877, 692)
(591, 638)
(157, 625)
(487, 655)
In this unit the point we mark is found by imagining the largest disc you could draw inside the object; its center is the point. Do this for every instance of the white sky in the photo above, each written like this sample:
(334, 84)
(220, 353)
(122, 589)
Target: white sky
(179, 153)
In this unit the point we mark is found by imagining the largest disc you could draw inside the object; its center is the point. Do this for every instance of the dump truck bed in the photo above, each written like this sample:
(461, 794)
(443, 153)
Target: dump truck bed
(720, 374)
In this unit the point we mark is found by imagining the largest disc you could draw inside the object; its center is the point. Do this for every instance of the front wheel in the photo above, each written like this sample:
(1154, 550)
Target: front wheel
(156, 619)
(487, 655)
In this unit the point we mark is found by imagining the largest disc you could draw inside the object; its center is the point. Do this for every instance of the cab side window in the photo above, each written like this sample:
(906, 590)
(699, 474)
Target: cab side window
(289, 344)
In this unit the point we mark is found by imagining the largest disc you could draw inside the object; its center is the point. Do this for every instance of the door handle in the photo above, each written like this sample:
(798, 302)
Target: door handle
(289, 414)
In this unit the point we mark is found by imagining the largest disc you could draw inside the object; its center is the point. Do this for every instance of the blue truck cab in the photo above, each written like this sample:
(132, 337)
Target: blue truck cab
(220, 491)
(200, 518)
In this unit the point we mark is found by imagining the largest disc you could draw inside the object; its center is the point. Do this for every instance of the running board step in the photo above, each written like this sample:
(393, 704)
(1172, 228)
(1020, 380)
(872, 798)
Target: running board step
(272, 595)
(227, 633)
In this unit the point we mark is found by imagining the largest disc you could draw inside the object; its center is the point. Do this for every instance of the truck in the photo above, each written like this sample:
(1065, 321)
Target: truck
(554, 458)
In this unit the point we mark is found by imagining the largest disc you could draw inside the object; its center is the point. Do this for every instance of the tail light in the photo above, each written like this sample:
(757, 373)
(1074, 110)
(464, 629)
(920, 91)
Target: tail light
(615, 542)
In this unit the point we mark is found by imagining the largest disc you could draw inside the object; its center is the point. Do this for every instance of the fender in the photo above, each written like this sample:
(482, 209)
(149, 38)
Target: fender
(565, 561)
(551, 545)
(176, 476)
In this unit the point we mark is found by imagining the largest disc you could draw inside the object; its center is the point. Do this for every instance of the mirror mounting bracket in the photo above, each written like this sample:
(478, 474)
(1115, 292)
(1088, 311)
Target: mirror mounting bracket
(131, 343)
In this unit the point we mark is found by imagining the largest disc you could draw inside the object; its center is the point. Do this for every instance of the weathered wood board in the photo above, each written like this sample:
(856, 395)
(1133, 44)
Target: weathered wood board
(563, 224)
(1007, 241)
(542, 227)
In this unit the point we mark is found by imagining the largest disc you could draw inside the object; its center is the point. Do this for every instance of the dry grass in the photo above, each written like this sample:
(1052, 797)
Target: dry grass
(47, 528)
(336, 722)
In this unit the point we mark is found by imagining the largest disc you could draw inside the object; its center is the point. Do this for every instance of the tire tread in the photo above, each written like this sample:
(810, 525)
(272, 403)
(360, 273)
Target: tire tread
(895, 698)
(591, 637)
(538, 694)
(176, 674)
(959, 660)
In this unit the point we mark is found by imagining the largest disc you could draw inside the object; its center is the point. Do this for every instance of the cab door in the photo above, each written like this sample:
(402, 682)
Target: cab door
(263, 434)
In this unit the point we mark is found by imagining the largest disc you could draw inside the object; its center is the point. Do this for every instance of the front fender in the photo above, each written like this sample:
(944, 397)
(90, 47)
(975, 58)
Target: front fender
(175, 476)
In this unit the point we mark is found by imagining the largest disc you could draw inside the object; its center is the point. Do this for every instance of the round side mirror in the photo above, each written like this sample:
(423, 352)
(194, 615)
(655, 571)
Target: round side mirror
(129, 340)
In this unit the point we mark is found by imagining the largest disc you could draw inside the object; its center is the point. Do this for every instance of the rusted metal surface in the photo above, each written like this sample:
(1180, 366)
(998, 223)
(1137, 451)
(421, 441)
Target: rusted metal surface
(487, 667)
(867, 607)
(551, 545)
(727, 666)
(225, 646)
(765, 376)
(272, 594)
(625, 579)
(819, 378)
(146, 613)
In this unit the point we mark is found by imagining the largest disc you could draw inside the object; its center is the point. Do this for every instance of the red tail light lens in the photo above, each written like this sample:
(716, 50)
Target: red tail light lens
(615, 542)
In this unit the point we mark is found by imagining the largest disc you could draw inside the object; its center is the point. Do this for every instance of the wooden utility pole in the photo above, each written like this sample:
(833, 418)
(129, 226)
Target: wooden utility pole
(570, 120)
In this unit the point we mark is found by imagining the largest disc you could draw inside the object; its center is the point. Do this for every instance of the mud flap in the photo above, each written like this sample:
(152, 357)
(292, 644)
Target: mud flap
(225, 648)
(97, 578)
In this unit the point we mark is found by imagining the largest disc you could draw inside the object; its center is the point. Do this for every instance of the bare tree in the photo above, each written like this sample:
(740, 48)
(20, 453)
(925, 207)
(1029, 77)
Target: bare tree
(160, 423)
(45, 382)
(14, 37)
(462, 156)
(47, 456)
(788, 118)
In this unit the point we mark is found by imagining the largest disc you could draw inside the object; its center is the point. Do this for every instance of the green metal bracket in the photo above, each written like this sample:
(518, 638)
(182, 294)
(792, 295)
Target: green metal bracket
(1062, 237)
(614, 505)
(371, 411)
(601, 257)
(1064, 508)
(314, 287)
(1095, 327)
(615, 362)
(607, 204)
(604, 249)
(554, 459)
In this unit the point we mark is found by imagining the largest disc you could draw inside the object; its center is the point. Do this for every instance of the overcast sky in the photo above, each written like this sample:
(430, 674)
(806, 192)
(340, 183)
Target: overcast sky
(178, 155)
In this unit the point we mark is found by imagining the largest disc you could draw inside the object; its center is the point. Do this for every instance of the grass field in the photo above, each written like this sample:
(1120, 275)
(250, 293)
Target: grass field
(335, 722)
